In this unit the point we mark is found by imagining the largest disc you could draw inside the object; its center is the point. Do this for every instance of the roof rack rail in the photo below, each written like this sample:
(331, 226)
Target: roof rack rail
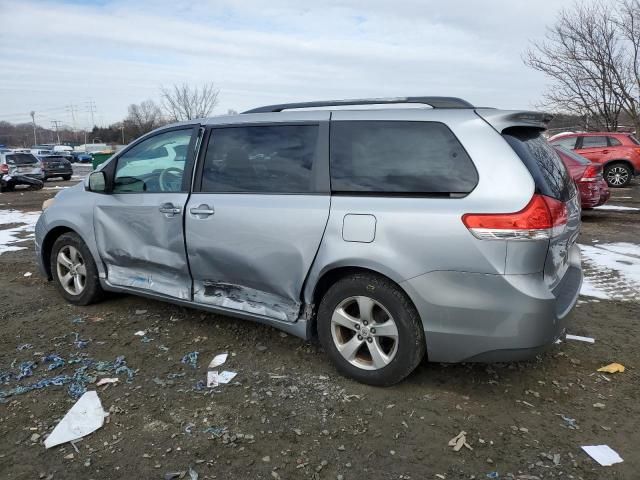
(434, 102)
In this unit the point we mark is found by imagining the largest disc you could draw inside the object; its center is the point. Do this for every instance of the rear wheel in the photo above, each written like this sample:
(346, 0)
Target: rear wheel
(74, 272)
(66, 177)
(370, 330)
(617, 175)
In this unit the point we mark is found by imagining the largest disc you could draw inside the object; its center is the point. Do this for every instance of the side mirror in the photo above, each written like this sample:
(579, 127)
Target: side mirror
(97, 182)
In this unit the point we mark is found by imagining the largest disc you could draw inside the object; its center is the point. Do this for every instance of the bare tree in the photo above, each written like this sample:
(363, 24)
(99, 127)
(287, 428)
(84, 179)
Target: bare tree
(627, 21)
(585, 57)
(142, 118)
(185, 102)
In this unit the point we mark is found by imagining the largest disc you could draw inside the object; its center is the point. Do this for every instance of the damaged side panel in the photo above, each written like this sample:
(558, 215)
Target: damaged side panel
(141, 247)
(246, 299)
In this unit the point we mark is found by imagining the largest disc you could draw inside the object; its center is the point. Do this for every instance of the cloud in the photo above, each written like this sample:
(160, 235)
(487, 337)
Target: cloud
(117, 52)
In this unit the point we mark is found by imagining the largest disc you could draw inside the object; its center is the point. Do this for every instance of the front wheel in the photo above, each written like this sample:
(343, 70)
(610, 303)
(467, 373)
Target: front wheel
(370, 330)
(66, 177)
(617, 175)
(74, 272)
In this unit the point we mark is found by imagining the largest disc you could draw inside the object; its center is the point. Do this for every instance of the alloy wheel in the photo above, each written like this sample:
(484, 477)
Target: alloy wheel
(71, 269)
(364, 332)
(617, 176)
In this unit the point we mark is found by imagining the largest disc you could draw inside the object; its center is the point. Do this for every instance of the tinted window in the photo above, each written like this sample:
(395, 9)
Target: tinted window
(273, 159)
(579, 159)
(594, 142)
(398, 157)
(21, 159)
(567, 142)
(549, 173)
(614, 142)
(154, 165)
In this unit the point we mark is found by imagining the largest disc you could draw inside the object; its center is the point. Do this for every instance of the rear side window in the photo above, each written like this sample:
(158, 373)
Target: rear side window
(614, 142)
(549, 173)
(594, 142)
(567, 142)
(399, 157)
(21, 159)
(267, 159)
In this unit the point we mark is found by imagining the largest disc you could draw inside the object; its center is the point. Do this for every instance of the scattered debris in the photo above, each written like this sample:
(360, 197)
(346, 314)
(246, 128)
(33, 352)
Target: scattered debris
(25, 346)
(107, 381)
(26, 369)
(85, 417)
(570, 422)
(218, 360)
(190, 358)
(140, 333)
(459, 441)
(603, 454)
(140, 312)
(27, 274)
(493, 475)
(54, 360)
(226, 376)
(612, 368)
(212, 379)
(580, 339)
(599, 405)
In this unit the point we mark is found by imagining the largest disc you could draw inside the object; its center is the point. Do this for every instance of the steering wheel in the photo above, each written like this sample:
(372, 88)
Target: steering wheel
(167, 184)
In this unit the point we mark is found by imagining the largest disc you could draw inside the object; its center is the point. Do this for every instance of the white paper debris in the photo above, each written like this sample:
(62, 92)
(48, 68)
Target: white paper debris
(140, 333)
(580, 339)
(85, 417)
(106, 381)
(603, 454)
(212, 379)
(226, 376)
(28, 274)
(218, 360)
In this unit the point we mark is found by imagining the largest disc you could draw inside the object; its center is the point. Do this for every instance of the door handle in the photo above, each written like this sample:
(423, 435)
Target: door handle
(202, 211)
(169, 209)
(605, 151)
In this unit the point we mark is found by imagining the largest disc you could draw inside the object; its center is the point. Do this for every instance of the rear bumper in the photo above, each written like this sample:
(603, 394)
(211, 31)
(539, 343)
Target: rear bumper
(489, 318)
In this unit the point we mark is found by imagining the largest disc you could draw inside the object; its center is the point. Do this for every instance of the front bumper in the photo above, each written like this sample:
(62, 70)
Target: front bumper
(489, 318)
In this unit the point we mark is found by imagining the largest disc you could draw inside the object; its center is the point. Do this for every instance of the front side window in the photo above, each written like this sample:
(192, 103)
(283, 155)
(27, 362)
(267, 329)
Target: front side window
(594, 142)
(399, 157)
(267, 159)
(154, 165)
(566, 142)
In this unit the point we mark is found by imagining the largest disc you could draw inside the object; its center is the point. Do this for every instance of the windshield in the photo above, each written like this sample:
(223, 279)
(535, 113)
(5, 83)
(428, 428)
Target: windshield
(21, 159)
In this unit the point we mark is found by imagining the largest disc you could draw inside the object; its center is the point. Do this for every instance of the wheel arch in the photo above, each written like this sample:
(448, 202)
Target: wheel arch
(47, 244)
(619, 160)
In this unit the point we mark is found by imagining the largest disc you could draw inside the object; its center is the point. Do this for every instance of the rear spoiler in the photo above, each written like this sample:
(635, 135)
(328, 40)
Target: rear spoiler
(503, 119)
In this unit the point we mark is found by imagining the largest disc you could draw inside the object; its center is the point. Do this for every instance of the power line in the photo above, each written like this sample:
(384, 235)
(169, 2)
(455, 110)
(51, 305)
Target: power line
(91, 108)
(57, 123)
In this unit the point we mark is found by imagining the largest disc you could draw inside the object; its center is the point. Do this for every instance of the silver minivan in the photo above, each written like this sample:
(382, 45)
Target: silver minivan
(390, 233)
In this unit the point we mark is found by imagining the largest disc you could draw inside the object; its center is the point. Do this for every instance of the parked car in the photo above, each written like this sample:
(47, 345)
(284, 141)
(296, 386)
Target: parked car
(593, 189)
(56, 166)
(618, 153)
(19, 169)
(389, 233)
(82, 157)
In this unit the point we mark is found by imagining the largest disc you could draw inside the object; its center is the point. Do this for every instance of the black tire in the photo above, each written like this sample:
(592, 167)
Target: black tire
(624, 171)
(411, 346)
(66, 177)
(92, 291)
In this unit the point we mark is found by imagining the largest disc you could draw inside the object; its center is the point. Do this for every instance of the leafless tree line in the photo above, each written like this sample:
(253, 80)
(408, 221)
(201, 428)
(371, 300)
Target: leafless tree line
(592, 55)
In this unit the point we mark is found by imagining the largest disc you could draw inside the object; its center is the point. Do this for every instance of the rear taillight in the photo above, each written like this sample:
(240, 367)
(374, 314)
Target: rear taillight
(4, 168)
(591, 173)
(543, 218)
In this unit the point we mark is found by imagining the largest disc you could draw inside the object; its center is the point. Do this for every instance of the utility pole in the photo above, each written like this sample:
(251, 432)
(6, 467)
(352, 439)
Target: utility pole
(33, 120)
(91, 108)
(56, 124)
(122, 130)
(72, 109)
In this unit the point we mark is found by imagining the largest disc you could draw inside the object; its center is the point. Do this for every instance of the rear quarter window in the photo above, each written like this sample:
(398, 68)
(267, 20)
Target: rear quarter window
(545, 166)
(399, 157)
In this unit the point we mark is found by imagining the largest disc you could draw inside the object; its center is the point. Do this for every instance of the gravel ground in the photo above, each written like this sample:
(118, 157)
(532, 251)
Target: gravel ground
(288, 414)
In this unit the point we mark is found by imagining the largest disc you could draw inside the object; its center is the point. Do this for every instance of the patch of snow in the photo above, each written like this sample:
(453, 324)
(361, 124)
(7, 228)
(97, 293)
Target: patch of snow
(10, 237)
(615, 207)
(611, 271)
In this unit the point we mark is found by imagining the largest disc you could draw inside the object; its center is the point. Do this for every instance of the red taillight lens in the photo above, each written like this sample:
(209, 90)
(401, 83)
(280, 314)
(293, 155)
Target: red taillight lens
(544, 217)
(591, 173)
(4, 168)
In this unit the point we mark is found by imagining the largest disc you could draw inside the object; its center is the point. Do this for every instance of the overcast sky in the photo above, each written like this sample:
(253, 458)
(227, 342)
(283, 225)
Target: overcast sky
(116, 52)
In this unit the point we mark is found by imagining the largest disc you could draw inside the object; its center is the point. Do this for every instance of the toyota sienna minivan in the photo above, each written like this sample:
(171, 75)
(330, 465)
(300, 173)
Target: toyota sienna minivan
(391, 233)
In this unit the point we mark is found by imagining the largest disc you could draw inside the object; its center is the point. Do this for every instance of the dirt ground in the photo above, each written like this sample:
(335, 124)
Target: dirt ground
(288, 414)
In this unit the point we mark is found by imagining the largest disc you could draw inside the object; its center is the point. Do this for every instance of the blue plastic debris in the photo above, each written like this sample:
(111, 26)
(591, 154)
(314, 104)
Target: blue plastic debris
(201, 385)
(493, 475)
(26, 369)
(25, 346)
(191, 358)
(146, 339)
(5, 377)
(45, 382)
(78, 342)
(571, 422)
(215, 431)
(77, 320)
(54, 360)
(189, 427)
(175, 375)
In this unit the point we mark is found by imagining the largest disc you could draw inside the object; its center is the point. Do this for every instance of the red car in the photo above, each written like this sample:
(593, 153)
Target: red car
(618, 153)
(588, 177)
